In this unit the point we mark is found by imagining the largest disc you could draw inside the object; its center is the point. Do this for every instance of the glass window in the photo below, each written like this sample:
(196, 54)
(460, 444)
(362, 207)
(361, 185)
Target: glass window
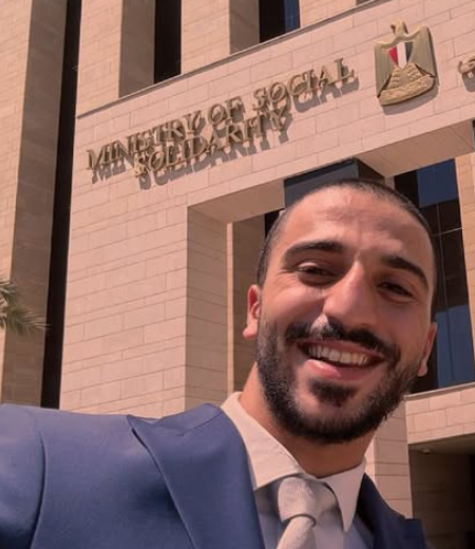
(453, 263)
(292, 15)
(437, 183)
(276, 17)
(458, 335)
(457, 293)
(167, 39)
(434, 191)
(431, 213)
(449, 214)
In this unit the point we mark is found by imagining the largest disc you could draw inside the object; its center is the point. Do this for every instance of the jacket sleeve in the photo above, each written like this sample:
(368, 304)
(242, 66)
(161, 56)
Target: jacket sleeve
(21, 476)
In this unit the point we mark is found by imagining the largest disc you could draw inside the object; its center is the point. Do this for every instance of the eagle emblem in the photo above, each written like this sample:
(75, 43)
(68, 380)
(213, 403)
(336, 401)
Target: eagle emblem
(405, 66)
(467, 68)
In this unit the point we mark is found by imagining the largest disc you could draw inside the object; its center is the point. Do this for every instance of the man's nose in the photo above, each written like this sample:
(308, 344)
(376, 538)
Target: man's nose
(352, 301)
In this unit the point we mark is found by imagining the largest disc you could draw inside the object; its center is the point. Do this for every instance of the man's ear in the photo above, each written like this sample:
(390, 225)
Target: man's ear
(427, 350)
(253, 312)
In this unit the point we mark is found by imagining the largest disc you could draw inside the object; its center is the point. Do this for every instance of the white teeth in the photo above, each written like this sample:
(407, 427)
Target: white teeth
(345, 358)
(322, 352)
(335, 355)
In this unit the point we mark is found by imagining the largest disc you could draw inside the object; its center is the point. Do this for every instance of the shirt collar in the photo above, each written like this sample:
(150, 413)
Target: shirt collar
(270, 461)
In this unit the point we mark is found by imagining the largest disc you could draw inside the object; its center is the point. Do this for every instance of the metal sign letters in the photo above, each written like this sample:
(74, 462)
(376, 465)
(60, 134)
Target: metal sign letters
(197, 135)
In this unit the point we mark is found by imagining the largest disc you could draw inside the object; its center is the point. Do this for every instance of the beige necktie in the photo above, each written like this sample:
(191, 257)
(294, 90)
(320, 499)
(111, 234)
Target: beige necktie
(299, 506)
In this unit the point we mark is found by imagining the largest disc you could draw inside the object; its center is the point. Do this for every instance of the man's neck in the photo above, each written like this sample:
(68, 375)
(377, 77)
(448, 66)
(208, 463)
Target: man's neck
(317, 459)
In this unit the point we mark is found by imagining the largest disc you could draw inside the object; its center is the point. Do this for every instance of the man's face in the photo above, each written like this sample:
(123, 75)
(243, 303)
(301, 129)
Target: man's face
(343, 319)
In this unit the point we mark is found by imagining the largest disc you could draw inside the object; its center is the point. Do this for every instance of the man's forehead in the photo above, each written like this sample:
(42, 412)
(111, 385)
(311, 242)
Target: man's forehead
(342, 202)
(337, 203)
(337, 208)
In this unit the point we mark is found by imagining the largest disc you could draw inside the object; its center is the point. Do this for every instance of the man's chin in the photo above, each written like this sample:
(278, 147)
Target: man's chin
(323, 398)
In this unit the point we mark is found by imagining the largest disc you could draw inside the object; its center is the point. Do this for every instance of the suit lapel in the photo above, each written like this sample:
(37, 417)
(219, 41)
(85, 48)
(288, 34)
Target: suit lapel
(203, 461)
(390, 530)
(204, 464)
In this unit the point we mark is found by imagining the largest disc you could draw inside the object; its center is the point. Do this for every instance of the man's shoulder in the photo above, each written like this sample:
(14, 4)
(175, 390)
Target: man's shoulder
(190, 419)
(57, 420)
(47, 420)
(60, 465)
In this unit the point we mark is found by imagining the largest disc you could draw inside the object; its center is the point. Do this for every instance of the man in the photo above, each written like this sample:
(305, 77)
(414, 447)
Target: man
(342, 317)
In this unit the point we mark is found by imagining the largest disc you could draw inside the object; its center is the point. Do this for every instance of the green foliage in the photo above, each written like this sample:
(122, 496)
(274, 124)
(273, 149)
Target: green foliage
(14, 315)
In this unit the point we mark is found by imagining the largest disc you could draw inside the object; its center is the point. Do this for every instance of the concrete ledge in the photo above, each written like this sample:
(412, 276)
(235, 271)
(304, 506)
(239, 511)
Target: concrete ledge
(441, 414)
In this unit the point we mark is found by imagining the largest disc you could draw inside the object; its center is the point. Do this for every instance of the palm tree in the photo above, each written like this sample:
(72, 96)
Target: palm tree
(14, 314)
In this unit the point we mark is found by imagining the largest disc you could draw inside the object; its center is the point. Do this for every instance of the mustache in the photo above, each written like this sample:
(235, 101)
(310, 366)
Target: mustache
(335, 331)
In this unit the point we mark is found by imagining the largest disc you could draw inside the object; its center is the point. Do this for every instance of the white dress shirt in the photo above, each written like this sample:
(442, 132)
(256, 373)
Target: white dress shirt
(269, 461)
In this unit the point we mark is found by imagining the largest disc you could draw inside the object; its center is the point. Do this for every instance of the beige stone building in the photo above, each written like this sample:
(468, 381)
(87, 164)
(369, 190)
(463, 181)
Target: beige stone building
(146, 148)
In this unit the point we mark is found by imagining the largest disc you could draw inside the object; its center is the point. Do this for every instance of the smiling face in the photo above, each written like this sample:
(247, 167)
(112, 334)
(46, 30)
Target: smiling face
(343, 319)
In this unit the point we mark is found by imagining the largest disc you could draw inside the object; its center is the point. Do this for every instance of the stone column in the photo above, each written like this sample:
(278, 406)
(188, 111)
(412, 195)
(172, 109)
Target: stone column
(99, 53)
(137, 48)
(248, 238)
(465, 166)
(244, 24)
(312, 11)
(388, 463)
(213, 30)
(206, 376)
(116, 51)
(31, 46)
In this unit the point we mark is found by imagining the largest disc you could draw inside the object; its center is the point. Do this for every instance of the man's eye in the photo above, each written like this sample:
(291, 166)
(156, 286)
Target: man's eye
(315, 270)
(396, 289)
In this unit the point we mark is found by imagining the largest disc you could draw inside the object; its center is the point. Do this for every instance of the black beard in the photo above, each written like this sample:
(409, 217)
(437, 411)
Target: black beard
(278, 379)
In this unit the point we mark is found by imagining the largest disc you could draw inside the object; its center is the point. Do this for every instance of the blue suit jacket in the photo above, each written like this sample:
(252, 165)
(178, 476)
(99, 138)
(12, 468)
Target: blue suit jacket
(73, 481)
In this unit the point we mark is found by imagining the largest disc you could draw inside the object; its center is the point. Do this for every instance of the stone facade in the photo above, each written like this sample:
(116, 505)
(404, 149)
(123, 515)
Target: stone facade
(119, 228)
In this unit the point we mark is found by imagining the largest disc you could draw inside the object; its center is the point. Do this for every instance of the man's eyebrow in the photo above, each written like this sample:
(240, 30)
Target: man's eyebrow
(398, 262)
(331, 246)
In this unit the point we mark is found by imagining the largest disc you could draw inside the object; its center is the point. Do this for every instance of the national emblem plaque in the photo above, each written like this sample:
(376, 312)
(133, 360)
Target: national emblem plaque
(405, 66)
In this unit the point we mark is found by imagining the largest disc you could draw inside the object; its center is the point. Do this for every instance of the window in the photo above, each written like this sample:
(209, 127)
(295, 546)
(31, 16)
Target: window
(167, 39)
(434, 190)
(277, 17)
(292, 15)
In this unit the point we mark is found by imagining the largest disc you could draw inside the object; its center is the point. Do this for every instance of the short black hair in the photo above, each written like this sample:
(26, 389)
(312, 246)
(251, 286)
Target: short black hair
(365, 185)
